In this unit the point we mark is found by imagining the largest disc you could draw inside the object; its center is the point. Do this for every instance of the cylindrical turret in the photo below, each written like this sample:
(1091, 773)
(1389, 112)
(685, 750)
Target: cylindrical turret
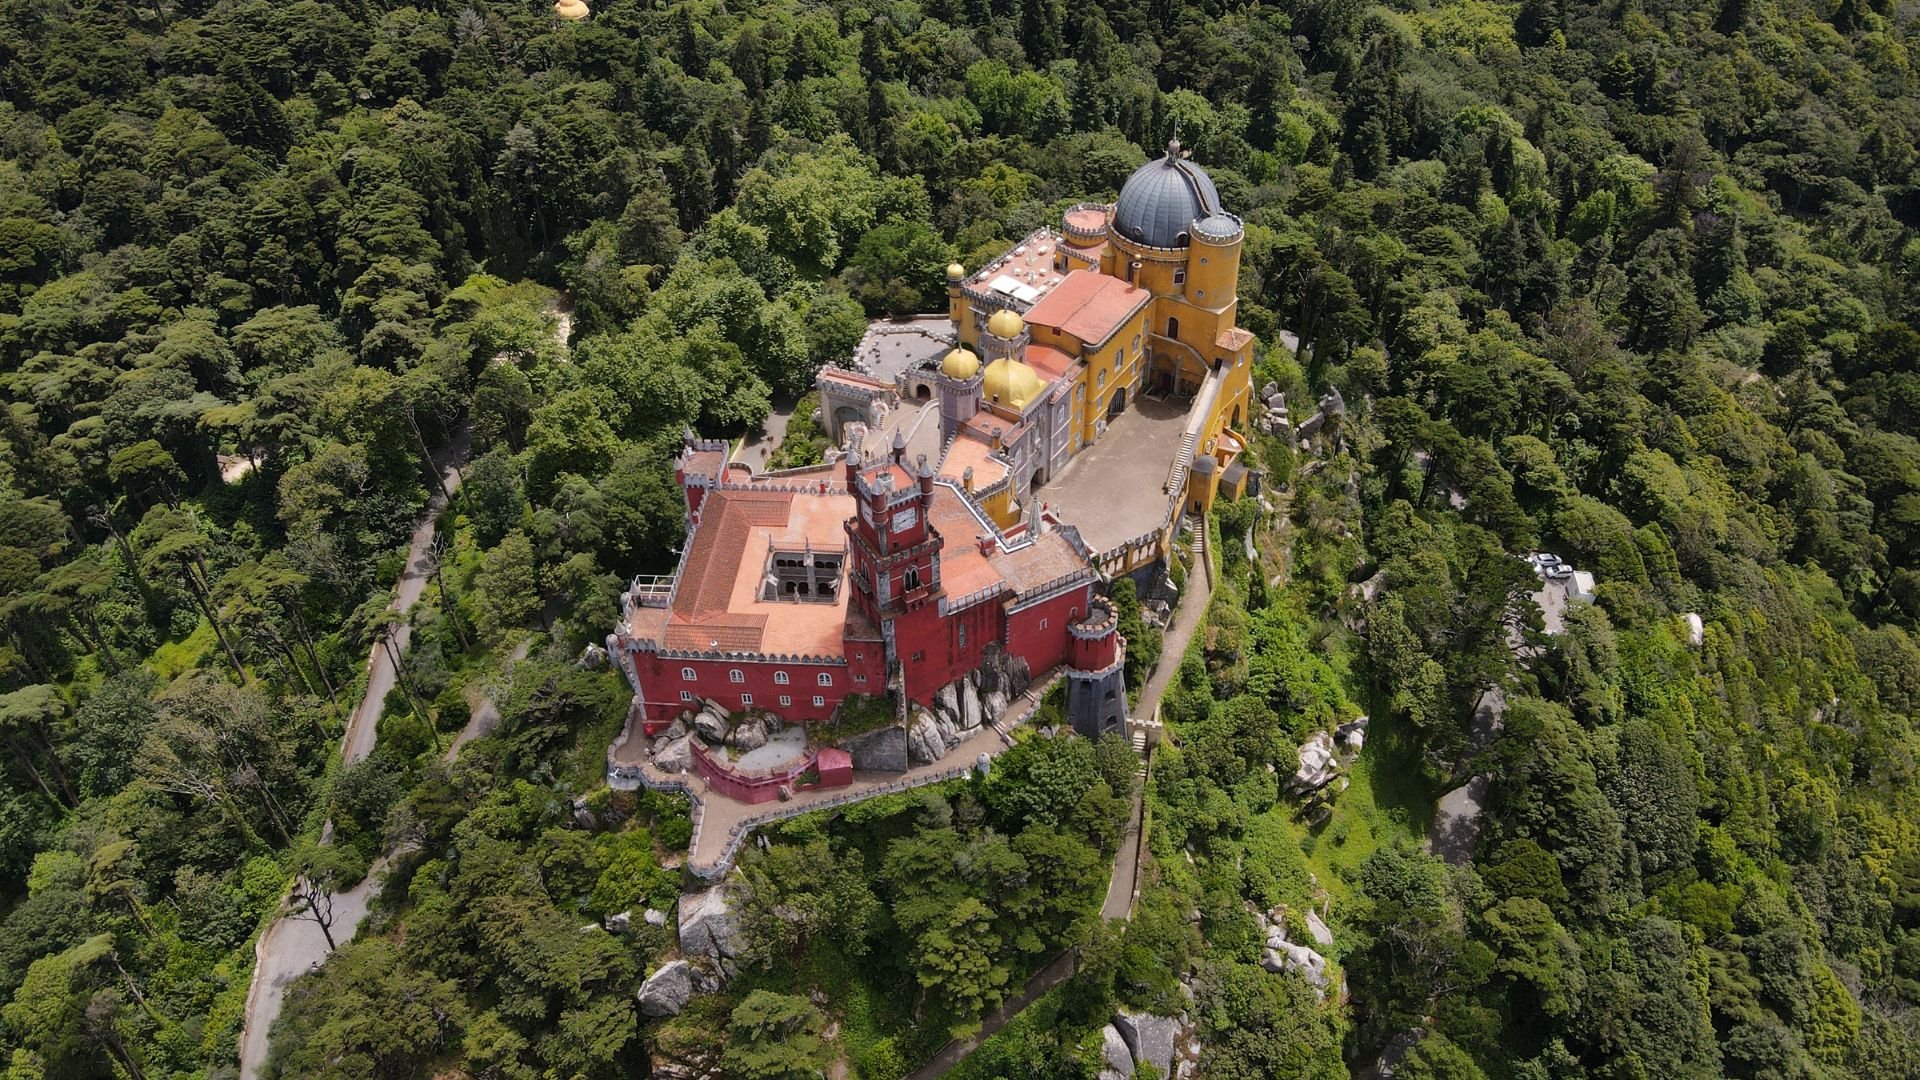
(1201, 480)
(1095, 640)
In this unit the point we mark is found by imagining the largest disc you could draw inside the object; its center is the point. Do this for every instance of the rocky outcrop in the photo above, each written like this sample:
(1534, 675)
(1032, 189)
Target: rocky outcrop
(676, 756)
(1000, 671)
(969, 706)
(749, 734)
(884, 750)
(1115, 1059)
(654, 917)
(1149, 1038)
(709, 936)
(1352, 735)
(1282, 955)
(710, 723)
(925, 744)
(1318, 929)
(668, 990)
(994, 705)
(1317, 765)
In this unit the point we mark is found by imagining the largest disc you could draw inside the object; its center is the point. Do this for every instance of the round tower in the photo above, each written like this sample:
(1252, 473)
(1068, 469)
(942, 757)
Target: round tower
(959, 384)
(1096, 673)
(1202, 479)
(1213, 260)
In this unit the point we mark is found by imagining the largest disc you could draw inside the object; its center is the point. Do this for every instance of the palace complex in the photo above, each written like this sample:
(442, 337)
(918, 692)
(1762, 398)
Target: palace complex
(1082, 398)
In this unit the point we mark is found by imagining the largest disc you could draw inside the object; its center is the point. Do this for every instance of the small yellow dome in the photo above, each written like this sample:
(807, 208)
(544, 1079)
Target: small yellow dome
(1011, 383)
(571, 9)
(955, 271)
(1005, 324)
(960, 364)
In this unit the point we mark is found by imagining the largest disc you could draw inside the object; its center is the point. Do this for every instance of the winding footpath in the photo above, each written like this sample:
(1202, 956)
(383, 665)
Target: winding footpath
(292, 947)
(1123, 887)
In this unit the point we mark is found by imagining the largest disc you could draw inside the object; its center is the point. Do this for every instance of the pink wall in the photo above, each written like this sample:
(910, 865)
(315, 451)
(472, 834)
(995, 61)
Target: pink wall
(765, 787)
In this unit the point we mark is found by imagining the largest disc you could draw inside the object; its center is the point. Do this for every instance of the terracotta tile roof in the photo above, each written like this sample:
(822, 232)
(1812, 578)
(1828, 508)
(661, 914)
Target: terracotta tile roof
(1088, 305)
(1233, 339)
(1048, 559)
(963, 570)
(966, 453)
(853, 378)
(705, 463)
(1050, 362)
(717, 601)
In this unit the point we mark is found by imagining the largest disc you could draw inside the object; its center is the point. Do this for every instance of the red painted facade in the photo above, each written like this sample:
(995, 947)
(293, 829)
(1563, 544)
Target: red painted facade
(905, 628)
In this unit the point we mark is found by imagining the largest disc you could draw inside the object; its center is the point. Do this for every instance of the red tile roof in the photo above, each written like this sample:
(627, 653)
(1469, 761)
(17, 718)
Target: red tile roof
(1089, 305)
(1050, 362)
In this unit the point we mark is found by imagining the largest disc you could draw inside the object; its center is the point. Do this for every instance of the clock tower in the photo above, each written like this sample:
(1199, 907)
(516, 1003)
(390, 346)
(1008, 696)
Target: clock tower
(894, 550)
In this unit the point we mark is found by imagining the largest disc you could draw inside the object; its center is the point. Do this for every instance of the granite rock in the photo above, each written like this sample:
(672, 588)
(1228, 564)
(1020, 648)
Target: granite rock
(924, 742)
(1114, 1055)
(1149, 1038)
(668, 990)
(884, 750)
(676, 756)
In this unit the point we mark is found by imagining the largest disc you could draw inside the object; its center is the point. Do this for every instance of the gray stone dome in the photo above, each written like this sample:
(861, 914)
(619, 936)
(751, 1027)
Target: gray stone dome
(1162, 200)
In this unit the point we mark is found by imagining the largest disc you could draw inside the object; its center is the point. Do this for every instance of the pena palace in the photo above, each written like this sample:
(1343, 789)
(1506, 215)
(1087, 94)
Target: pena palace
(1087, 400)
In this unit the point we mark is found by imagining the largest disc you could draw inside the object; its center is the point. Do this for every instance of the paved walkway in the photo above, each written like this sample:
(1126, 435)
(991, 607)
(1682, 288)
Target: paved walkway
(718, 816)
(291, 947)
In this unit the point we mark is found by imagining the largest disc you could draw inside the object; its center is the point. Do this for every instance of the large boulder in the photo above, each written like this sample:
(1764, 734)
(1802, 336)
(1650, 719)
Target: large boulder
(993, 705)
(1352, 734)
(668, 990)
(924, 742)
(710, 933)
(946, 700)
(676, 756)
(1149, 1038)
(1317, 765)
(1115, 1058)
(749, 734)
(884, 750)
(969, 706)
(1317, 928)
(1283, 955)
(710, 723)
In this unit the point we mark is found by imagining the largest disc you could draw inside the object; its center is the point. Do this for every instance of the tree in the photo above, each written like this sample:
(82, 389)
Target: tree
(899, 268)
(956, 966)
(774, 1037)
(507, 590)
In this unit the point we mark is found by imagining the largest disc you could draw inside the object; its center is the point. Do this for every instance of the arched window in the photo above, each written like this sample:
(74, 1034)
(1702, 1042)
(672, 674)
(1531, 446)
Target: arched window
(1173, 327)
(911, 579)
(736, 675)
(687, 674)
(780, 677)
(826, 678)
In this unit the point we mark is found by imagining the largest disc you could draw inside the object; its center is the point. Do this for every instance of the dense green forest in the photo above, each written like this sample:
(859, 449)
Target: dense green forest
(1632, 281)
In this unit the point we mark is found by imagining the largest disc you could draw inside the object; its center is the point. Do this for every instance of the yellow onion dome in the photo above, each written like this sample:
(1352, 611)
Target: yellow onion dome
(1005, 324)
(955, 271)
(960, 364)
(571, 9)
(1011, 383)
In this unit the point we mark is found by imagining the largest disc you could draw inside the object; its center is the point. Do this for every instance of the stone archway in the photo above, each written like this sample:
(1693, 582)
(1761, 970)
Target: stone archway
(1119, 403)
(923, 392)
(844, 415)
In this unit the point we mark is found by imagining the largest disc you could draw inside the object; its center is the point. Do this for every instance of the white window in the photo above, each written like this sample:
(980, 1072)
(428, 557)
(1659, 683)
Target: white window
(746, 700)
(780, 677)
(1043, 624)
(687, 674)
(826, 678)
(785, 700)
(859, 678)
(736, 675)
(686, 695)
(1101, 385)
(818, 701)
(1179, 277)
(963, 637)
(911, 579)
